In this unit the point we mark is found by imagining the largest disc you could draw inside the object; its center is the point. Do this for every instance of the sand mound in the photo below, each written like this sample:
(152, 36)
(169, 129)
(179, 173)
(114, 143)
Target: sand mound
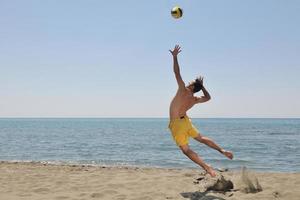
(218, 183)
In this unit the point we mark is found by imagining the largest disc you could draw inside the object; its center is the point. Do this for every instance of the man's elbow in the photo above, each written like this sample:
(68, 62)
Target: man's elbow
(208, 98)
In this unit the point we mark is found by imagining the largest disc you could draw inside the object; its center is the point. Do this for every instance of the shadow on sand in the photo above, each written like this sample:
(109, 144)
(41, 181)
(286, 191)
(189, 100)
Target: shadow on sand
(200, 195)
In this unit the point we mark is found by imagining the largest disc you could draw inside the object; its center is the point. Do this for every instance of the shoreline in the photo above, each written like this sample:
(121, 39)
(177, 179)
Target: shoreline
(36, 180)
(77, 164)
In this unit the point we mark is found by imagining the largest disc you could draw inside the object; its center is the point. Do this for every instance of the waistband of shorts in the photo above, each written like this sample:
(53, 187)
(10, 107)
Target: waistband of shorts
(180, 118)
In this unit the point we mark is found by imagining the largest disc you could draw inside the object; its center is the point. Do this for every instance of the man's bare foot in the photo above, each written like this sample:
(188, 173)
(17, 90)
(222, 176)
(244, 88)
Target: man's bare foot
(228, 154)
(210, 171)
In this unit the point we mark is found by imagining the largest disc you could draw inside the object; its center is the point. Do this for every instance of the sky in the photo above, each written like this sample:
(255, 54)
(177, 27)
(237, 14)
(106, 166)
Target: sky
(101, 58)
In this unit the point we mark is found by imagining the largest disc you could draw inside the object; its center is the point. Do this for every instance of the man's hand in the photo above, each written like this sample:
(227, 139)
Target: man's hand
(200, 80)
(206, 96)
(176, 50)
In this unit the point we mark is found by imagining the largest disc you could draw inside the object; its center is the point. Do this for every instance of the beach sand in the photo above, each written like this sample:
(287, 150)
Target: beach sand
(28, 180)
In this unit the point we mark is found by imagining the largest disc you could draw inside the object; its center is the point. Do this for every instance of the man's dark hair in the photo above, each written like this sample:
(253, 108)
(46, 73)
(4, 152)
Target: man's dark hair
(197, 85)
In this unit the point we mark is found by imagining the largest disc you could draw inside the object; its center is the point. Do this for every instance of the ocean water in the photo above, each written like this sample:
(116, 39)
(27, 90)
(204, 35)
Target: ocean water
(260, 144)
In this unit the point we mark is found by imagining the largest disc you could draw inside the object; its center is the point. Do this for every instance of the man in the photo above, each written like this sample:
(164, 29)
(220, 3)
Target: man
(180, 124)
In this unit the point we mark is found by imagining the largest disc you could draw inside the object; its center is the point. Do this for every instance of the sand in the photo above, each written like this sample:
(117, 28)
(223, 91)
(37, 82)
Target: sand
(21, 180)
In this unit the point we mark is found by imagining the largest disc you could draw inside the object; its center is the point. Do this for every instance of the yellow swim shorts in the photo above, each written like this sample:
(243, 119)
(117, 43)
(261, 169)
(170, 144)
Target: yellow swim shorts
(182, 128)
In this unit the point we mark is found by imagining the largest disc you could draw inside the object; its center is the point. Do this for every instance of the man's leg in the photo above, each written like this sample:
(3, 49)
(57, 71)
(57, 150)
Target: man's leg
(209, 142)
(194, 157)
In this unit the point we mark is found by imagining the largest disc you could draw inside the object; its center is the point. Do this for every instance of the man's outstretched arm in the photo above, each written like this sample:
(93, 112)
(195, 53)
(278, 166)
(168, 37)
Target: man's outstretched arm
(175, 52)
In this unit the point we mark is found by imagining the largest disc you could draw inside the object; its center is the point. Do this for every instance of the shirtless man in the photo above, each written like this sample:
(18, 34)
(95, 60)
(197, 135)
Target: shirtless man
(180, 125)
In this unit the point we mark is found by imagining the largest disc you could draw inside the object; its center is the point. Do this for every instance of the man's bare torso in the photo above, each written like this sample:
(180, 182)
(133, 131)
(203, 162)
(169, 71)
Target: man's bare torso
(181, 103)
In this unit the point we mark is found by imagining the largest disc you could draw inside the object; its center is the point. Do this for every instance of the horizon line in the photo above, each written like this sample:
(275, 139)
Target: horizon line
(86, 117)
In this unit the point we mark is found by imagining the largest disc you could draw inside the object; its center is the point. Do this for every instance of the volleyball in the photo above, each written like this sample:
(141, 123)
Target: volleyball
(176, 12)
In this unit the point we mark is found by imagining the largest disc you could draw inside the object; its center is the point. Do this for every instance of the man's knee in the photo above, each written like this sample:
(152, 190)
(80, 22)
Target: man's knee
(199, 138)
(185, 149)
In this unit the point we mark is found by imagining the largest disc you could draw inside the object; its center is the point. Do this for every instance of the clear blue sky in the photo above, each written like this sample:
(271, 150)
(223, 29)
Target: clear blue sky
(110, 58)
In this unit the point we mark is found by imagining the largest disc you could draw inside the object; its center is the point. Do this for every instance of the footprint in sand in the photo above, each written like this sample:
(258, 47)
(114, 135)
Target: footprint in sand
(61, 197)
(97, 195)
(24, 195)
(82, 194)
(104, 193)
(41, 190)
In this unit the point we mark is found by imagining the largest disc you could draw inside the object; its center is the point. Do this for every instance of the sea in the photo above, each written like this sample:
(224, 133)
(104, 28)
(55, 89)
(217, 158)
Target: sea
(260, 144)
